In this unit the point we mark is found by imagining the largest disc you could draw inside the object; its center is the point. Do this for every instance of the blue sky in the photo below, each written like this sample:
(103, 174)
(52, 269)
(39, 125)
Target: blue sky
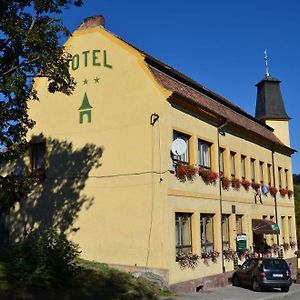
(218, 43)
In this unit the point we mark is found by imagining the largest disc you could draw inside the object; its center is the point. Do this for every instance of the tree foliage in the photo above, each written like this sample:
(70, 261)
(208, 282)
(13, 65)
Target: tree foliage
(30, 32)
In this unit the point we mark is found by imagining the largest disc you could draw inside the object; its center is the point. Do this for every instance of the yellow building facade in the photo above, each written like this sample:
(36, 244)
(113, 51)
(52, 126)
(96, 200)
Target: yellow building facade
(114, 180)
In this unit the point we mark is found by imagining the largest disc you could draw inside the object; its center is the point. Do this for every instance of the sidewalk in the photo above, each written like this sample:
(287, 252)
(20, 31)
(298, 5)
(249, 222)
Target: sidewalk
(237, 293)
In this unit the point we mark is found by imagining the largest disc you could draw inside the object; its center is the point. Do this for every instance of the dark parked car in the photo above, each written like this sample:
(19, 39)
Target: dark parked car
(260, 273)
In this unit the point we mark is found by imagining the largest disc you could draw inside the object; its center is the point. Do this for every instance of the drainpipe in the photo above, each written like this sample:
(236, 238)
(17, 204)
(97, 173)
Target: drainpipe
(275, 199)
(219, 131)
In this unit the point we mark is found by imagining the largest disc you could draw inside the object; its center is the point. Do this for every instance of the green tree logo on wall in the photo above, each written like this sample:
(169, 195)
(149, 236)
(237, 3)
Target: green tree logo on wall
(85, 109)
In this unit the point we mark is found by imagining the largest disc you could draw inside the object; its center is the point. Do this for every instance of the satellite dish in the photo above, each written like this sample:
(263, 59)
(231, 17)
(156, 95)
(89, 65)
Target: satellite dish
(179, 146)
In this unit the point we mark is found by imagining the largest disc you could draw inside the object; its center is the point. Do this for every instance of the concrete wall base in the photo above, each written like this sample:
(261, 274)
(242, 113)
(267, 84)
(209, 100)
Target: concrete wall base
(195, 285)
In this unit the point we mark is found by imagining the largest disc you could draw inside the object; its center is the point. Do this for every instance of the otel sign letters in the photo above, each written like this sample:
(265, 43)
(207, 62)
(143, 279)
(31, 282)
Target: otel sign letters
(98, 58)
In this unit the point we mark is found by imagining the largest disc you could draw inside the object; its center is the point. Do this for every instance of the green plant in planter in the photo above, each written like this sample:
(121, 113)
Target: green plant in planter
(187, 260)
(286, 246)
(230, 254)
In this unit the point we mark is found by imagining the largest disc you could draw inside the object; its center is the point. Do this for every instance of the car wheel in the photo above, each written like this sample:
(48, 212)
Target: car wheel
(285, 289)
(235, 280)
(255, 285)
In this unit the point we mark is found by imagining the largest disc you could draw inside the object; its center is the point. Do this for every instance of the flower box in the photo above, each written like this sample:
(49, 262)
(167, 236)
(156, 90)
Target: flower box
(255, 185)
(230, 254)
(225, 183)
(208, 176)
(187, 260)
(185, 172)
(212, 255)
(283, 192)
(273, 191)
(246, 184)
(293, 244)
(236, 183)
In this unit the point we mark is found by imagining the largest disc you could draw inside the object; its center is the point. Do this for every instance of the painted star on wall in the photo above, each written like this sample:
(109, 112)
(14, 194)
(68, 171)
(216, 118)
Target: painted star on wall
(96, 79)
(85, 81)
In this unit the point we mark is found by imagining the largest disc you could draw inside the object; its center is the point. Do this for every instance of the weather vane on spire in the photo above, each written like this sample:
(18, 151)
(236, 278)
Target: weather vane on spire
(266, 63)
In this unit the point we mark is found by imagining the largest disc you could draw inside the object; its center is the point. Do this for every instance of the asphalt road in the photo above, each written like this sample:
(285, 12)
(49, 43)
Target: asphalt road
(238, 293)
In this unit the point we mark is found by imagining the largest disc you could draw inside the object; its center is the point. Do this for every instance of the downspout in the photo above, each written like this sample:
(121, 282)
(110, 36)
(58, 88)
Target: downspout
(220, 189)
(275, 198)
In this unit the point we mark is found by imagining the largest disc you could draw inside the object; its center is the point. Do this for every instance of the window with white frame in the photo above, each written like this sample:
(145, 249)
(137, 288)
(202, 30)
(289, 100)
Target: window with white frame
(221, 162)
(232, 164)
(280, 177)
(183, 158)
(290, 228)
(243, 166)
(261, 171)
(183, 233)
(204, 158)
(252, 169)
(225, 232)
(207, 232)
(272, 235)
(286, 173)
(239, 224)
(269, 174)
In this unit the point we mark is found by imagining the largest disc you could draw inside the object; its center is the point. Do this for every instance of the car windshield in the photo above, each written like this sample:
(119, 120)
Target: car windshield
(277, 264)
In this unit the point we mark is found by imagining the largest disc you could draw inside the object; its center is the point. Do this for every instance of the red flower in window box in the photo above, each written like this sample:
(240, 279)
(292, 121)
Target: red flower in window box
(273, 191)
(255, 185)
(290, 193)
(236, 183)
(225, 183)
(283, 192)
(185, 172)
(208, 176)
(246, 184)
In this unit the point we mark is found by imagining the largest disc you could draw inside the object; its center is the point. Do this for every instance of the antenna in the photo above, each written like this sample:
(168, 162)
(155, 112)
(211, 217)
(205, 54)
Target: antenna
(266, 63)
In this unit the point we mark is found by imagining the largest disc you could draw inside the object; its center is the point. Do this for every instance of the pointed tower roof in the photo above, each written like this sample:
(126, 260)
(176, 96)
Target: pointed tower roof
(269, 102)
(85, 103)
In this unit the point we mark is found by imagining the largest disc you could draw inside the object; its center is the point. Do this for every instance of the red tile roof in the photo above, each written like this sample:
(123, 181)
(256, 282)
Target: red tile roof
(212, 105)
(195, 93)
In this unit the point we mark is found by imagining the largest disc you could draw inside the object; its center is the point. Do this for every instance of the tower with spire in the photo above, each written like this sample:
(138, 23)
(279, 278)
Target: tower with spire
(270, 105)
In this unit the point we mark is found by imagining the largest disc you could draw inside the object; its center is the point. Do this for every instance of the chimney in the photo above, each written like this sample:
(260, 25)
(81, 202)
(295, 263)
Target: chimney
(91, 22)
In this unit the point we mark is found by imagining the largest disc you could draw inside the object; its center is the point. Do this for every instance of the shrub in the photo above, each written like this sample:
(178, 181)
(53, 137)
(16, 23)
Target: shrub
(44, 260)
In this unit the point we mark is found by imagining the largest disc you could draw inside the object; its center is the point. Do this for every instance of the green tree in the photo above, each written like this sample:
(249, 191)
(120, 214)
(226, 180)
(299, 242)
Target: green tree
(297, 209)
(30, 31)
